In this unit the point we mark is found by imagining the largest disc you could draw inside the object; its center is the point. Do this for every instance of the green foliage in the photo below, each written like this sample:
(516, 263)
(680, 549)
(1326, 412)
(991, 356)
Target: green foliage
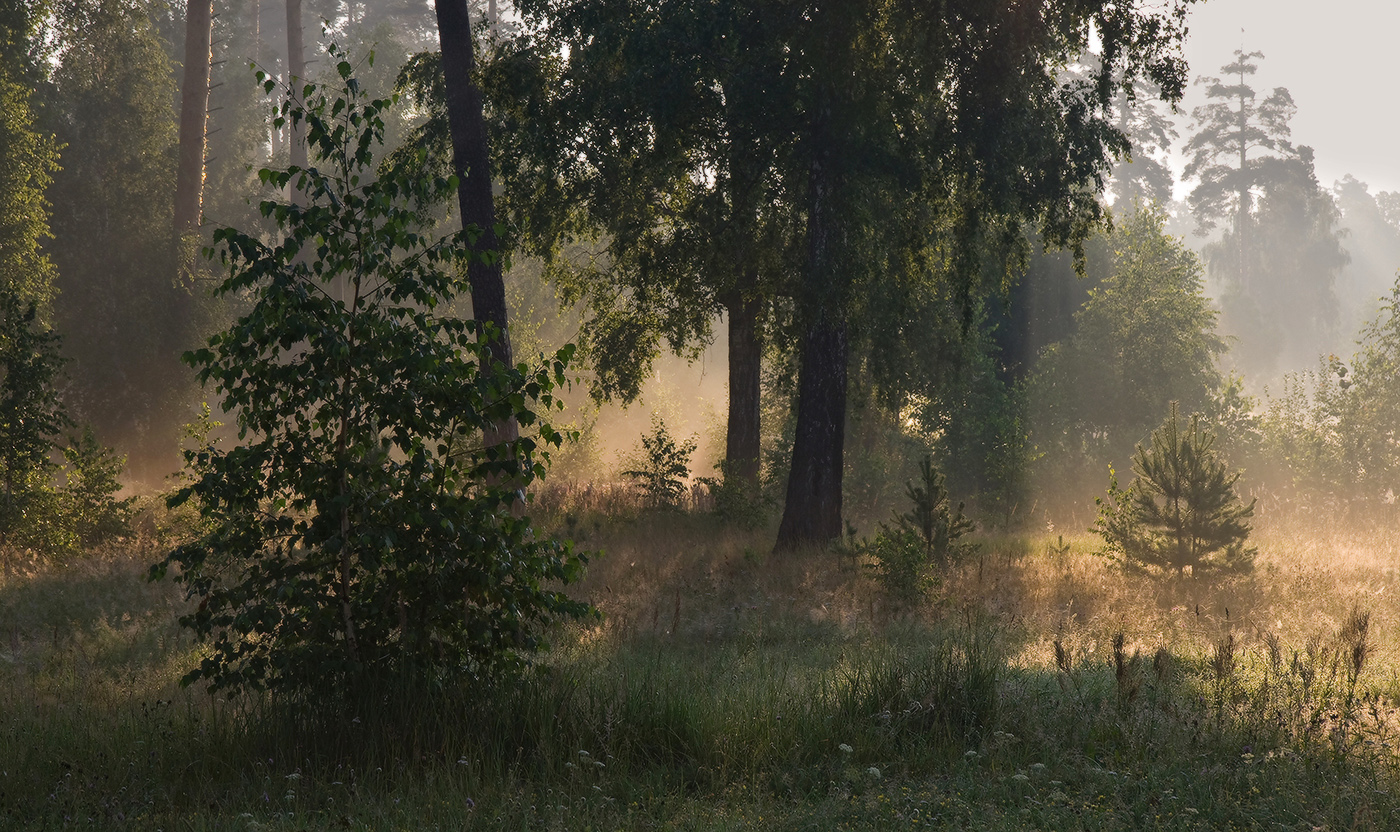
(36, 512)
(737, 500)
(31, 417)
(28, 160)
(1181, 511)
(1332, 429)
(125, 321)
(359, 530)
(663, 466)
(1145, 337)
(91, 475)
(926, 537)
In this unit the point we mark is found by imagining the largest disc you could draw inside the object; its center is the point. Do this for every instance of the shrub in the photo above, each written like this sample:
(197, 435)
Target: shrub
(359, 530)
(95, 513)
(1181, 511)
(663, 466)
(927, 536)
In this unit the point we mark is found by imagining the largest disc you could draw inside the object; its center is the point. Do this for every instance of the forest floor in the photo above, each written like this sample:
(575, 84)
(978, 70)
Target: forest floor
(724, 689)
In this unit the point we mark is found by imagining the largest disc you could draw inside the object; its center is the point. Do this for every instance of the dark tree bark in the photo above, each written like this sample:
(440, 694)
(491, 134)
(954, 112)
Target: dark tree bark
(812, 508)
(194, 111)
(742, 450)
(471, 162)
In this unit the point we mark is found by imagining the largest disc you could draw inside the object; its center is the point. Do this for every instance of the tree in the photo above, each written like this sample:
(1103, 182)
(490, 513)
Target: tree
(28, 160)
(997, 140)
(1282, 252)
(32, 417)
(1180, 512)
(652, 146)
(1144, 337)
(358, 530)
(1143, 176)
(1227, 129)
(194, 107)
(110, 104)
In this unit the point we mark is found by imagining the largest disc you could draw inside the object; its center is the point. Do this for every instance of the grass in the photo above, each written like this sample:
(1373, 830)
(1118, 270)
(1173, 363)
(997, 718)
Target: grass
(726, 689)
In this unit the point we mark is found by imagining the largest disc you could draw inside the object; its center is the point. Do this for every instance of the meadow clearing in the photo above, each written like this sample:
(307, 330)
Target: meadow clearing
(1040, 687)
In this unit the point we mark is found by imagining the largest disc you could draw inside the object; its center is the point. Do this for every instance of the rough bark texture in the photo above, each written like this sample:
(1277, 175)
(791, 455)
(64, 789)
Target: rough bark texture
(471, 162)
(742, 451)
(194, 112)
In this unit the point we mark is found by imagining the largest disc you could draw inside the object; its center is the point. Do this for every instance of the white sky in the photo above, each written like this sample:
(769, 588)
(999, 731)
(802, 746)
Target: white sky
(1341, 61)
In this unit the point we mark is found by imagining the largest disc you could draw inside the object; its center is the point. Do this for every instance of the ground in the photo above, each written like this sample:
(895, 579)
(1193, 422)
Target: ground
(1039, 687)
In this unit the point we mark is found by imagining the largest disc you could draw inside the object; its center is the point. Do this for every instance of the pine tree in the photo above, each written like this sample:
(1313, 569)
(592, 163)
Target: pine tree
(1181, 511)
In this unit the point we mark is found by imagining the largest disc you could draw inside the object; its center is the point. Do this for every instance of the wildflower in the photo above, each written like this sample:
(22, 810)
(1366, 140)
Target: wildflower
(844, 749)
(873, 772)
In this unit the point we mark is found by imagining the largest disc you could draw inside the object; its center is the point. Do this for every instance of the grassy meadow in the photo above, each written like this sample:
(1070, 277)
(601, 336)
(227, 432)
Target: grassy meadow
(724, 688)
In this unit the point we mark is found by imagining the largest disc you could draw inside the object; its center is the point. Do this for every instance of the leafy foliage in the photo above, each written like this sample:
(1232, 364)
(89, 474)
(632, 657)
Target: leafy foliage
(664, 466)
(923, 538)
(31, 417)
(1333, 428)
(1145, 337)
(91, 486)
(359, 529)
(1181, 511)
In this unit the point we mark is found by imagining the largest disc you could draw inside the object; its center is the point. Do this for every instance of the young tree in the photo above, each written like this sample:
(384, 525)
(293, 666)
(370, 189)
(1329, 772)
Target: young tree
(359, 529)
(1180, 512)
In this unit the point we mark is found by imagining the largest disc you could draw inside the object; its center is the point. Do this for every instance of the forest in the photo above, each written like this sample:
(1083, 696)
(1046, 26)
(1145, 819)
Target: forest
(659, 414)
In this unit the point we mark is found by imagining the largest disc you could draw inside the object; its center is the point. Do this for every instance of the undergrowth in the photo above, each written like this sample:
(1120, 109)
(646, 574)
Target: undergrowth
(1040, 688)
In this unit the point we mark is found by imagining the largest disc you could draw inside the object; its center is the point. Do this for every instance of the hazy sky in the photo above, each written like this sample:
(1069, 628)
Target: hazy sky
(1338, 58)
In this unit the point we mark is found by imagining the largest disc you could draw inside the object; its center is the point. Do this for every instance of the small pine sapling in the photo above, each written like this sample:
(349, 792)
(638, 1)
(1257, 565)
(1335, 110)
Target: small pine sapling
(928, 535)
(1181, 512)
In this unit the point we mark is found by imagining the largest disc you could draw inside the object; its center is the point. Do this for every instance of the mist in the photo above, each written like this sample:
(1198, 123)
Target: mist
(623, 414)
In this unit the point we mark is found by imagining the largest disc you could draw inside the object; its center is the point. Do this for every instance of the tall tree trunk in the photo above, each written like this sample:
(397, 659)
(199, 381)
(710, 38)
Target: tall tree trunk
(471, 162)
(194, 113)
(812, 509)
(296, 79)
(741, 452)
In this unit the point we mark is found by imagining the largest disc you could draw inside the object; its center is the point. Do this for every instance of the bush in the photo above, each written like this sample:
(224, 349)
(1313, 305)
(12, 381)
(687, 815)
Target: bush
(1181, 511)
(927, 536)
(663, 466)
(359, 530)
(96, 515)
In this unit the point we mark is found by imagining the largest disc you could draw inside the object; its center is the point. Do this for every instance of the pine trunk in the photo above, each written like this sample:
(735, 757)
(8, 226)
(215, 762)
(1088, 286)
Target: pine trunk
(471, 162)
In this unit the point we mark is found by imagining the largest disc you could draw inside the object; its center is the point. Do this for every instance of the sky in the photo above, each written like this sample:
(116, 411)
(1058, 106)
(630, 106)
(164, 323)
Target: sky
(1338, 58)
